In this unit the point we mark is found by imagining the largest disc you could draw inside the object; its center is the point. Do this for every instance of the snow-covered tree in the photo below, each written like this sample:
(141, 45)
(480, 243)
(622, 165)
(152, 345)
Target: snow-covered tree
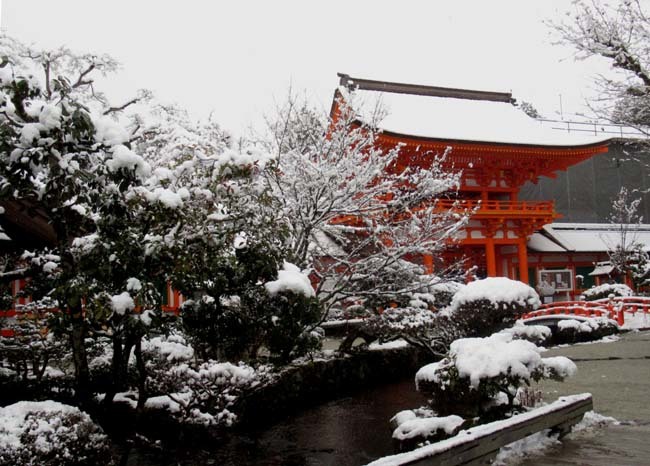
(619, 32)
(62, 154)
(627, 255)
(225, 239)
(192, 211)
(354, 219)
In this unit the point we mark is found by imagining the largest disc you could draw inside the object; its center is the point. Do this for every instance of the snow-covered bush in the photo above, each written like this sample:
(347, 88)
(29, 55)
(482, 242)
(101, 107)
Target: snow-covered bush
(52, 434)
(478, 370)
(161, 354)
(443, 293)
(607, 289)
(196, 393)
(419, 327)
(412, 317)
(32, 348)
(587, 329)
(485, 306)
(267, 308)
(538, 334)
(292, 331)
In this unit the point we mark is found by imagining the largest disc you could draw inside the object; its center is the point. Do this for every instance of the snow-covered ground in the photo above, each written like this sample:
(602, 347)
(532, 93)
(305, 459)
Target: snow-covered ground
(637, 320)
(541, 442)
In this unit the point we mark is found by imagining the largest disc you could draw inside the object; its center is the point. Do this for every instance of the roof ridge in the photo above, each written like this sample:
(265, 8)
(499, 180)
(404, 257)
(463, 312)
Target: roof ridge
(419, 89)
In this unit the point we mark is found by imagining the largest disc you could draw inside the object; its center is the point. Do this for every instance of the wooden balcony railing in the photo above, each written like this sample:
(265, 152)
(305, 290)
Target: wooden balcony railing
(501, 208)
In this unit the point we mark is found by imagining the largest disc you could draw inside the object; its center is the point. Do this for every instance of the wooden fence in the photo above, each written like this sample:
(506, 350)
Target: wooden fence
(481, 444)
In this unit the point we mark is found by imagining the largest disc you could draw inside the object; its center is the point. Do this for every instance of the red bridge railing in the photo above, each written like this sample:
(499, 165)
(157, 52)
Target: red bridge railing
(614, 308)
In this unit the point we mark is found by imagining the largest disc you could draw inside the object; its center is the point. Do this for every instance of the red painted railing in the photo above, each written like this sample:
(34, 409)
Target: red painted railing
(614, 308)
(500, 207)
(632, 304)
(576, 308)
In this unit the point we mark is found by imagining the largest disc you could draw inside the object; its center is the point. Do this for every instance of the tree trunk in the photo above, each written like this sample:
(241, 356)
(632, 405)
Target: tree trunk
(142, 375)
(117, 363)
(119, 367)
(79, 356)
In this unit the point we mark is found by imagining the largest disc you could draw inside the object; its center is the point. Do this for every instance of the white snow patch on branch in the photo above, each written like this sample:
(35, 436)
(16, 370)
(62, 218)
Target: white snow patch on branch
(290, 278)
(122, 302)
(133, 284)
(123, 157)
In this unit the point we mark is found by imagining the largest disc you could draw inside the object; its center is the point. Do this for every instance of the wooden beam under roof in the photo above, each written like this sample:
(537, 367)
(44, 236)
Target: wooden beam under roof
(418, 89)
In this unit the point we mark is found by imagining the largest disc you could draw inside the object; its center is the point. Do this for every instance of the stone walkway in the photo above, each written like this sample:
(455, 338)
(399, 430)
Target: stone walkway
(618, 376)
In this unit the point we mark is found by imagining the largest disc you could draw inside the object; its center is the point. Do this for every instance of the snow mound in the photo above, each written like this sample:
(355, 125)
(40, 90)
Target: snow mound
(427, 427)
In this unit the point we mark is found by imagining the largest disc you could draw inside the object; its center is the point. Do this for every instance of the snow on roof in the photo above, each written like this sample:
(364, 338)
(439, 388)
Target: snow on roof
(602, 269)
(539, 242)
(585, 237)
(462, 119)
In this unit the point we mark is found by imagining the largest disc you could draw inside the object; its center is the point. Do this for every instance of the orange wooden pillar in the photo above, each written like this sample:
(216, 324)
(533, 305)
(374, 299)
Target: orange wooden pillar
(428, 263)
(522, 255)
(490, 257)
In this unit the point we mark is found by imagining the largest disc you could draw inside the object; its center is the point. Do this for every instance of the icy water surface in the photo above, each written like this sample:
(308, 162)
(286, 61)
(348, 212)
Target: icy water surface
(354, 430)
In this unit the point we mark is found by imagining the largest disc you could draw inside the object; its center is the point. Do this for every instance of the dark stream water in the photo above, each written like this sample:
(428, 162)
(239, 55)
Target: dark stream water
(355, 430)
(346, 432)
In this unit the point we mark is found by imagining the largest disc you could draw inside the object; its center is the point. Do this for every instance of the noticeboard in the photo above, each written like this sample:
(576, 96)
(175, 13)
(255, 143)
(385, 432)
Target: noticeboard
(559, 280)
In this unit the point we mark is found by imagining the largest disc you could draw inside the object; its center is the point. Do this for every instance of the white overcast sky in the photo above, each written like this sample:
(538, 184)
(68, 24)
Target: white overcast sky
(237, 58)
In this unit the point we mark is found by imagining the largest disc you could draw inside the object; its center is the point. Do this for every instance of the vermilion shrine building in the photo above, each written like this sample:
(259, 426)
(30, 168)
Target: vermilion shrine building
(499, 149)
(510, 164)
